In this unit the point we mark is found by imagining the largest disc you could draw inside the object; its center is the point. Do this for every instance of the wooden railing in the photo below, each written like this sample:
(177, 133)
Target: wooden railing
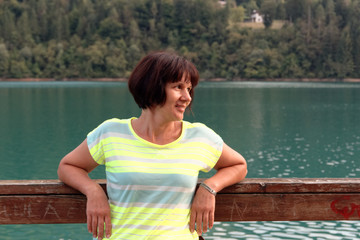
(50, 201)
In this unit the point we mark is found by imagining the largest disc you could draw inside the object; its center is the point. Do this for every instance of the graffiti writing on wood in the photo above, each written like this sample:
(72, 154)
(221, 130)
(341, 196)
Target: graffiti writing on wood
(236, 210)
(38, 211)
(50, 210)
(338, 206)
(23, 210)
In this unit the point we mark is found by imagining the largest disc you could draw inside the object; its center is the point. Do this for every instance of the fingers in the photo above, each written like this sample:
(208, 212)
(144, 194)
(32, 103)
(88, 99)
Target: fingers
(211, 219)
(192, 221)
(202, 211)
(94, 225)
(98, 215)
(89, 225)
(199, 224)
(203, 222)
(101, 228)
(108, 226)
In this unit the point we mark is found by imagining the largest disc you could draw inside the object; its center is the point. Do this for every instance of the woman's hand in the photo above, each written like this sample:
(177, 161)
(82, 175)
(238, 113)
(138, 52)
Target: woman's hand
(231, 168)
(73, 170)
(98, 214)
(202, 211)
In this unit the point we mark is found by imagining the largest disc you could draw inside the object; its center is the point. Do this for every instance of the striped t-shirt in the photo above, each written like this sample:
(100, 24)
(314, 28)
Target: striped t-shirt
(151, 186)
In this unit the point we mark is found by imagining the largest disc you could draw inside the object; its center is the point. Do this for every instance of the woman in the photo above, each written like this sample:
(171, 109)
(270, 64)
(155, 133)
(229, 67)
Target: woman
(152, 162)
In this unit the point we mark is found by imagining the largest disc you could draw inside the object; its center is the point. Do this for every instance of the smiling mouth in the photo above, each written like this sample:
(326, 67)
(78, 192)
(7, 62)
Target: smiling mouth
(181, 107)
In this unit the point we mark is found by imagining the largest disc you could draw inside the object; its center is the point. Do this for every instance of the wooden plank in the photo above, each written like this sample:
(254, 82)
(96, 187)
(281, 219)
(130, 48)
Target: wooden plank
(251, 185)
(42, 209)
(50, 201)
(9, 187)
(295, 185)
(287, 207)
(229, 207)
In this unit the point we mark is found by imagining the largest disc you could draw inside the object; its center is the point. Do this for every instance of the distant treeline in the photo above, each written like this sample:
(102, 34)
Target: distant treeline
(105, 38)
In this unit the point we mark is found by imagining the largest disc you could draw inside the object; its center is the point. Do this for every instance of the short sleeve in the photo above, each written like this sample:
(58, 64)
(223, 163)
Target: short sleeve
(95, 143)
(207, 141)
(216, 142)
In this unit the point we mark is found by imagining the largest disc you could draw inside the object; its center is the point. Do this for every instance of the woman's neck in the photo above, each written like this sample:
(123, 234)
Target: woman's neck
(156, 129)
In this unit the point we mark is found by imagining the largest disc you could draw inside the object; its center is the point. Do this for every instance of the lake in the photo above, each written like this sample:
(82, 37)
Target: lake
(284, 130)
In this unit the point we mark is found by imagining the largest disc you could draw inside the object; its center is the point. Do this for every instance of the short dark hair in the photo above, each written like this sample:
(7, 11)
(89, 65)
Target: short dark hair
(148, 79)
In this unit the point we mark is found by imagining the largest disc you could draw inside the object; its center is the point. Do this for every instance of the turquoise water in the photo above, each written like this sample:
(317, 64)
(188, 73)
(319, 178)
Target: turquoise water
(282, 129)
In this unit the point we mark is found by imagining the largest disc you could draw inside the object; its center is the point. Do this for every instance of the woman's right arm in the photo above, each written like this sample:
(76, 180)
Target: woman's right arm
(73, 170)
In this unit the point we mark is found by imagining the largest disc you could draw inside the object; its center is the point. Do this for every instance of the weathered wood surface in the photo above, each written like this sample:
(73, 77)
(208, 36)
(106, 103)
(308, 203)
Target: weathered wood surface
(50, 201)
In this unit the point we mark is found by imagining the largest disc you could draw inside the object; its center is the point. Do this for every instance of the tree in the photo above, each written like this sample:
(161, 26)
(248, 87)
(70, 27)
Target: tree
(290, 67)
(331, 30)
(295, 9)
(237, 15)
(110, 27)
(354, 30)
(42, 18)
(4, 60)
(18, 69)
(280, 11)
(267, 20)
(268, 9)
(344, 59)
(115, 61)
(88, 38)
(95, 55)
(251, 6)
(134, 33)
(8, 29)
(133, 55)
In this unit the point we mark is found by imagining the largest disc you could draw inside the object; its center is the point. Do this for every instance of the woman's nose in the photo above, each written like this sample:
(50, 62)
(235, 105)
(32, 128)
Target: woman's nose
(186, 95)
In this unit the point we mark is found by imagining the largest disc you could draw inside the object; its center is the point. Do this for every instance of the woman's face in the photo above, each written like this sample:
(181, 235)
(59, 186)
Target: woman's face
(177, 99)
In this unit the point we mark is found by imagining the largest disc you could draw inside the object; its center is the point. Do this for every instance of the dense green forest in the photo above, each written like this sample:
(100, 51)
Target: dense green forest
(105, 38)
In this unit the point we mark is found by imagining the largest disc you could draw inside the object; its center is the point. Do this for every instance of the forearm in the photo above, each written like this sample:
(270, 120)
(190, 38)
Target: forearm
(231, 168)
(75, 167)
(97, 207)
(227, 176)
(74, 170)
(77, 178)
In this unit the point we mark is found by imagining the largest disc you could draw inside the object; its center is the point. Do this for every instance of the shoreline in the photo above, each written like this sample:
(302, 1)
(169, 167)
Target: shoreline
(333, 80)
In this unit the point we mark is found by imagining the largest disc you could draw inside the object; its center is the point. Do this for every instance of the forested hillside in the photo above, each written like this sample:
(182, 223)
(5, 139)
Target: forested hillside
(105, 38)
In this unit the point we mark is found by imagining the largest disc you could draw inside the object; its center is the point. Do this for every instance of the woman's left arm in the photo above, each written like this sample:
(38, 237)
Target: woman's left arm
(231, 168)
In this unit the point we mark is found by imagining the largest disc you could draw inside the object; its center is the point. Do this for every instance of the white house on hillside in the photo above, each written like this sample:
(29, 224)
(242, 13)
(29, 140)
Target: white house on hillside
(256, 17)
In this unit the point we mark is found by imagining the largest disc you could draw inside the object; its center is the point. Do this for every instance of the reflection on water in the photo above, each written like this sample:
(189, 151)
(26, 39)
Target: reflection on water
(283, 130)
(287, 129)
(44, 231)
(335, 159)
(341, 230)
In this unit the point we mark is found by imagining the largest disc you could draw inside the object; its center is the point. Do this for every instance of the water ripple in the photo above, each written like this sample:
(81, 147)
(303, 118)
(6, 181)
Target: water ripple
(305, 230)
